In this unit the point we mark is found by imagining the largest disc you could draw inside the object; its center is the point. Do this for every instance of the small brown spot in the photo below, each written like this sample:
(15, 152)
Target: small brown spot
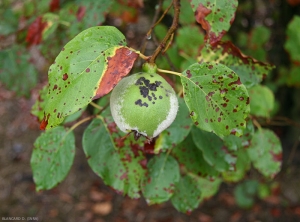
(88, 70)
(65, 76)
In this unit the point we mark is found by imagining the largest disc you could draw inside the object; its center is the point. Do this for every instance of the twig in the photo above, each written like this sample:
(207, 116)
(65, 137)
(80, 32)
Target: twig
(172, 29)
(144, 42)
(159, 20)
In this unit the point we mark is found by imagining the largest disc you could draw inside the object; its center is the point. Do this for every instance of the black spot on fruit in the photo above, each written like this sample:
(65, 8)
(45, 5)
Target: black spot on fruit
(134, 96)
(144, 91)
(138, 102)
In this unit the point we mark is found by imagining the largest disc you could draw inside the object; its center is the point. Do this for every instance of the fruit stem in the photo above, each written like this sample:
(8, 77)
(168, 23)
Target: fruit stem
(164, 43)
(80, 122)
(170, 72)
(96, 105)
(142, 56)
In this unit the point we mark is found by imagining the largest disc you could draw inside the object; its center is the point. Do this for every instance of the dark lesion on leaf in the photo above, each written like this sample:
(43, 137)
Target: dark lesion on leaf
(118, 66)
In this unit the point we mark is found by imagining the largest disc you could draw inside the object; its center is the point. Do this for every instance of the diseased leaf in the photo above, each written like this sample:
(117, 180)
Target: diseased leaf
(214, 16)
(35, 31)
(250, 71)
(178, 130)
(188, 37)
(52, 157)
(82, 14)
(261, 101)
(234, 143)
(16, 70)
(242, 165)
(292, 44)
(163, 175)
(91, 12)
(74, 116)
(213, 149)
(189, 156)
(265, 152)
(111, 159)
(187, 195)
(216, 98)
(88, 67)
(38, 108)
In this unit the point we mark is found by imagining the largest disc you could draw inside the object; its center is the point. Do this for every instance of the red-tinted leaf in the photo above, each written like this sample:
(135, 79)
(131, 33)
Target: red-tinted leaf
(118, 66)
(215, 17)
(250, 70)
(80, 13)
(54, 5)
(35, 31)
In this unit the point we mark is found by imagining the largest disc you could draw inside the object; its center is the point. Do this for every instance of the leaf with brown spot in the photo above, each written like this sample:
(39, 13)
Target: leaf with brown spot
(118, 66)
(163, 174)
(250, 70)
(217, 100)
(215, 17)
(52, 157)
(265, 152)
(112, 157)
(87, 67)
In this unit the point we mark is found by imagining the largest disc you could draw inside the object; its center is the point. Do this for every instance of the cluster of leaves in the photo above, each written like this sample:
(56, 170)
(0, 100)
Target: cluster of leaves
(215, 136)
(46, 25)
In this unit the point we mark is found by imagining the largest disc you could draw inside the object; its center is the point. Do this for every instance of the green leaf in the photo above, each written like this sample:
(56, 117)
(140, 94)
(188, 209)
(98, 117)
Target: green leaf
(52, 157)
(88, 67)
(38, 108)
(178, 130)
(215, 17)
(16, 70)
(163, 175)
(213, 149)
(234, 143)
(242, 165)
(265, 152)
(250, 71)
(292, 44)
(258, 37)
(186, 13)
(189, 38)
(209, 187)
(245, 193)
(74, 116)
(93, 11)
(261, 101)
(187, 195)
(189, 156)
(51, 21)
(8, 20)
(217, 100)
(82, 14)
(118, 167)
